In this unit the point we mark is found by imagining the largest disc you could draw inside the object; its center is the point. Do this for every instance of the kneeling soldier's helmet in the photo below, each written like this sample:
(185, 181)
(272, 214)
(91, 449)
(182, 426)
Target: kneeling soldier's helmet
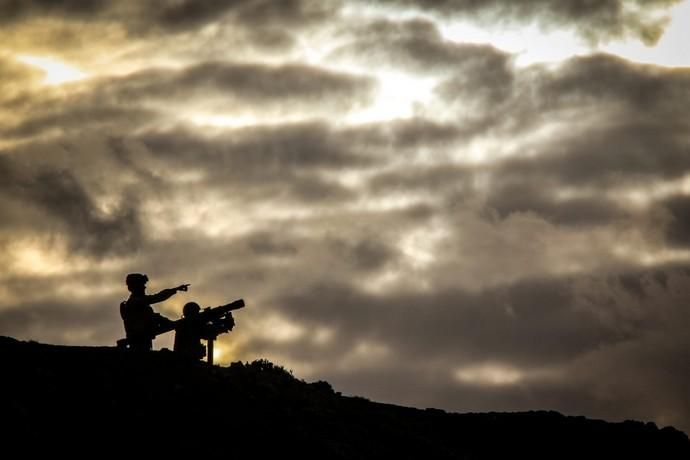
(190, 309)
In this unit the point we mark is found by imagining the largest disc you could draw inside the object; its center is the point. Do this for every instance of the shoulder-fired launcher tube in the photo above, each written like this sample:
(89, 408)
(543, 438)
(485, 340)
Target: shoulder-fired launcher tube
(207, 314)
(211, 313)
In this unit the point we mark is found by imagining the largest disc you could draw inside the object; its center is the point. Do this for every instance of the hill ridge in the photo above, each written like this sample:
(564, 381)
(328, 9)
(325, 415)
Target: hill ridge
(76, 399)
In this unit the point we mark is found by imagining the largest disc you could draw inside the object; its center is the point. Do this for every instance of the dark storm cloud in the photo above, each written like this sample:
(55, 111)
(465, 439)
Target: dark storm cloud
(530, 323)
(33, 109)
(405, 135)
(616, 91)
(60, 194)
(633, 284)
(424, 179)
(262, 24)
(255, 264)
(65, 321)
(545, 328)
(678, 229)
(281, 163)
(171, 14)
(598, 20)
(265, 20)
(632, 133)
(266, 243)
(602, 77)
(187, 31)
(613, 383)
(296, 155)
(190, 13)
(245, 83)
(483, 92)
(493, 97)
(646, 362)
(14, 10)
(594, 20)
(121, 104)
(536, 197)
(416, 45)
(66, 119)
(637, 108)
(629, 153)
(632, 128)
(288, 156)
(58, 203)
(364, 255)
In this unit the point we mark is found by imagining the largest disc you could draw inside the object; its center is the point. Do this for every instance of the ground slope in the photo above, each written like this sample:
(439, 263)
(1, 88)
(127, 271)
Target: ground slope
(101, 401)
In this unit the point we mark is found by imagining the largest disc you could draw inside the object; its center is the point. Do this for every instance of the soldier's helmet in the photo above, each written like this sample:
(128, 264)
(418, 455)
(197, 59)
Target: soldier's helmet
(191, 309)
(136, 279)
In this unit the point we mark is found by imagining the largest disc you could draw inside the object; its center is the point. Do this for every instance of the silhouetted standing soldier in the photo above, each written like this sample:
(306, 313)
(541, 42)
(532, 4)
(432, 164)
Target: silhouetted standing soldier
(192, 328)
(141, 322)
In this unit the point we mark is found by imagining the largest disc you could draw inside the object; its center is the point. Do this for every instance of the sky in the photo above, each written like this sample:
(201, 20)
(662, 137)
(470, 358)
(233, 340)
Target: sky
(474, 206)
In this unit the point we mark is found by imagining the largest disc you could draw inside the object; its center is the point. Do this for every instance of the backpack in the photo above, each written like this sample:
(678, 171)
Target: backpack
(138, 319)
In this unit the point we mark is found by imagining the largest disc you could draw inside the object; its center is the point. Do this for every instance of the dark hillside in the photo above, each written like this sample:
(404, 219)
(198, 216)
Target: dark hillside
(102, 401)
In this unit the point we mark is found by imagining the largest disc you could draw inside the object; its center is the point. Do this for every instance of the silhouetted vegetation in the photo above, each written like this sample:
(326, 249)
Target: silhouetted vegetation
(107, 401)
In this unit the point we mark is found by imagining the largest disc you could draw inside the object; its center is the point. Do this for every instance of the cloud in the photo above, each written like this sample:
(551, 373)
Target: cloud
(529, 323)
(131, 31)
(678, 229)
(542, 329)
(66, 321)
(66, 208)
(636, 368)
(593, 20)
(534, 197)
(205, 91)
(264, 17)
(15, 79)
(592, 123)
(507, 243)
(613, 79)
(630, 152)
(294, 85)
(612, 91)
(284, 159)
(443, 178)
(417, 45)
(11, 10)
(299, 164)
(46, 120)
(169, 14)
(473, 79)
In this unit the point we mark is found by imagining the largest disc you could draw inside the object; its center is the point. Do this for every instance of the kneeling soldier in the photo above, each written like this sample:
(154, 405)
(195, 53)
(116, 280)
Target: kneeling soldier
(192, 328)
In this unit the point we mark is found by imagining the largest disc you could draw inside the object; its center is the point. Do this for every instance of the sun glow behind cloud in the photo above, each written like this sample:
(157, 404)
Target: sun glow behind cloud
(489, 374)
(398, 96)
(36, 258)
(36, 261)
(56, 72)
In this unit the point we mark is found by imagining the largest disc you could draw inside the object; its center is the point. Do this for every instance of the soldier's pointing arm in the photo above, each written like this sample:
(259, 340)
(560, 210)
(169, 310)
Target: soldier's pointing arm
(165, 294)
